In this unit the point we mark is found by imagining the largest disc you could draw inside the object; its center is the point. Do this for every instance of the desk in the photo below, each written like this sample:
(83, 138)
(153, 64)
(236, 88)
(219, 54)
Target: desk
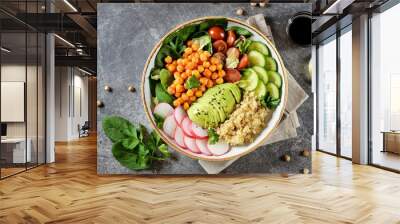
(17, 150)
(391, 141)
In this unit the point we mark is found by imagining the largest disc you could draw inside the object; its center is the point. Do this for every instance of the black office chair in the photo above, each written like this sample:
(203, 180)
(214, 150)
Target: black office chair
(84, 130)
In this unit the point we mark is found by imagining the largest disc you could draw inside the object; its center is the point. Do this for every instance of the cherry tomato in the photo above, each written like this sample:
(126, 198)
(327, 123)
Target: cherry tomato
(230, 40)
(220, 46)
(244, 62)
(233, 52)
(216, 33)
(232, 75)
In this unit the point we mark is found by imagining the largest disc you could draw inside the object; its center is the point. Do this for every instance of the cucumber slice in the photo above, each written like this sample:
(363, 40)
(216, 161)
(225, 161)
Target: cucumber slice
(270, 64)
(249, 80)
(256, 58)
(273, 91)
(262, 73)
(275, 78)
(260, 90)
(260, 47)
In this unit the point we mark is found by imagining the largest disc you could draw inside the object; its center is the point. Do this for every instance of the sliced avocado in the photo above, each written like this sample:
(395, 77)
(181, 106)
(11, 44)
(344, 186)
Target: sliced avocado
(273, 91)
(256, 58)
(260, 47)
(275, 78)
(218, 108)
(203, 115)
(262, 73)
(261, 90)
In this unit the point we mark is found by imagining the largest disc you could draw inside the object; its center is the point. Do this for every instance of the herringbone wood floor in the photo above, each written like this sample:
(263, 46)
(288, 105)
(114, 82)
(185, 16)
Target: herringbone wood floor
(69, 191)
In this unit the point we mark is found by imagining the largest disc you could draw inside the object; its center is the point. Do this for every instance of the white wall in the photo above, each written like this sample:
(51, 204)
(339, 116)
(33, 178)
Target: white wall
(71, 103)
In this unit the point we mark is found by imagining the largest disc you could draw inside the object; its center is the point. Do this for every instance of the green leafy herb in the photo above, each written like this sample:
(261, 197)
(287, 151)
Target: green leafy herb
(159, 120)
(132, 146)
(204, 42)
(192, 82)
(166, 78)
(213, 137)
(243, 44)
(165, 50)
(269, 102)
(240, 31)
(162, 95)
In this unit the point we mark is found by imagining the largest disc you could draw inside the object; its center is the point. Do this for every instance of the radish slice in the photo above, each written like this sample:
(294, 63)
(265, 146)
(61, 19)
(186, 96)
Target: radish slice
(191, 144)
(169, 126)
(198, 131)
(179, 137)
(179, 115)
(187, 127)
(218, 148)
(163, 110)
(202, 146)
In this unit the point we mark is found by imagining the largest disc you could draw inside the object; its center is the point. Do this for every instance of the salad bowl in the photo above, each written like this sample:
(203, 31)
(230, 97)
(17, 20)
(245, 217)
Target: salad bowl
(234, 151)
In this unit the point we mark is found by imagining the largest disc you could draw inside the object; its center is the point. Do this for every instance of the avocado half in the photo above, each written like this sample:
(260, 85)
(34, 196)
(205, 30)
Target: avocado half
(215, 106)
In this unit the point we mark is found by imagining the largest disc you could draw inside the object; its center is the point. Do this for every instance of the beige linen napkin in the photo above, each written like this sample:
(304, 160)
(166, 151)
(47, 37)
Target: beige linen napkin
(287, 127)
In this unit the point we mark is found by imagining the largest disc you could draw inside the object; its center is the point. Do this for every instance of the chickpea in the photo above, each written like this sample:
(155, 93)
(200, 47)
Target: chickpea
(213, 68)
(190, 66)
(220, 66)
(214, 60)
(207, 73)
(177, 94)
(179, 88)
(210, 83)
(188, 50)
(196, 73)
(214, 75)
(189, 43)
(184, 97)
(203, 80)
(184, 75)
(203, 57)
(176, 103)
(189, 93)
(168, 59)
(179, 80)
(175, 63)
(179, 61)
(193, 98)
(177, 74)
(219, 80)
(195, 60)
(171, 89)
(195, 46)
(171, 67)
(198, 93)
(186, 106)
(180, 68)
(221, 73)
(206, 64)
(200, 68)
(203, 88)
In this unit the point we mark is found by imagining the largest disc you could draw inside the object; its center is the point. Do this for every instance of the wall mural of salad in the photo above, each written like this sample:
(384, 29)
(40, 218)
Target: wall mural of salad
(213, 87)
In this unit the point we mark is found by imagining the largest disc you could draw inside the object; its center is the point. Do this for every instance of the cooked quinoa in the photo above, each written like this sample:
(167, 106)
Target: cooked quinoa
(245, 123)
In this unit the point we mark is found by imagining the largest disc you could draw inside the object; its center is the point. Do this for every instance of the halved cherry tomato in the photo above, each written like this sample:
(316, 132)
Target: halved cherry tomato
(216, 33)
(220, 46)
(244, 62)
(232, 75)
(230, 40)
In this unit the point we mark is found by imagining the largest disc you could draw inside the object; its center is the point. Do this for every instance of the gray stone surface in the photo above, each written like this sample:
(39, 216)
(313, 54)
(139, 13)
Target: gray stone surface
(126, 35)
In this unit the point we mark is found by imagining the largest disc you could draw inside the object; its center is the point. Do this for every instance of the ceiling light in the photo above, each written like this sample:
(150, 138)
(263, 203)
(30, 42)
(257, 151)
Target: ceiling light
(70, 5)
(5, 50)
(65, 41)
(84, 71)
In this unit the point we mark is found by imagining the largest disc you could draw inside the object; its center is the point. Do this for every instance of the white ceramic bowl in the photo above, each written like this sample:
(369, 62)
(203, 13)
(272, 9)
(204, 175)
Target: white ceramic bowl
(236, 151)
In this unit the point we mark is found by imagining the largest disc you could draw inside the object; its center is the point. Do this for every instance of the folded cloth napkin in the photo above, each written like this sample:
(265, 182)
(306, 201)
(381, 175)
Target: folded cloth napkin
(287, 127)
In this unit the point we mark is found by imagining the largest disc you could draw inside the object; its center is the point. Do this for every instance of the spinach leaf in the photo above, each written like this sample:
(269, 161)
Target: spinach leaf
(162, 95)
(133, 147)
(129, 159)
(192, 82)
(117, 128)
(213, 22)
(240, 31)
(159, 120)
(165, 50)
(166, 78)
(213, 137)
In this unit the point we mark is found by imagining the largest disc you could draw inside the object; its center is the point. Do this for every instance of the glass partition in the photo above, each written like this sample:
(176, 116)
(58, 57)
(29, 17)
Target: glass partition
(327, 96)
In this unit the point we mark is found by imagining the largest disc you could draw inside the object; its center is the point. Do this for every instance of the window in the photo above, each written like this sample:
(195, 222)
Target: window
(327, 96)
